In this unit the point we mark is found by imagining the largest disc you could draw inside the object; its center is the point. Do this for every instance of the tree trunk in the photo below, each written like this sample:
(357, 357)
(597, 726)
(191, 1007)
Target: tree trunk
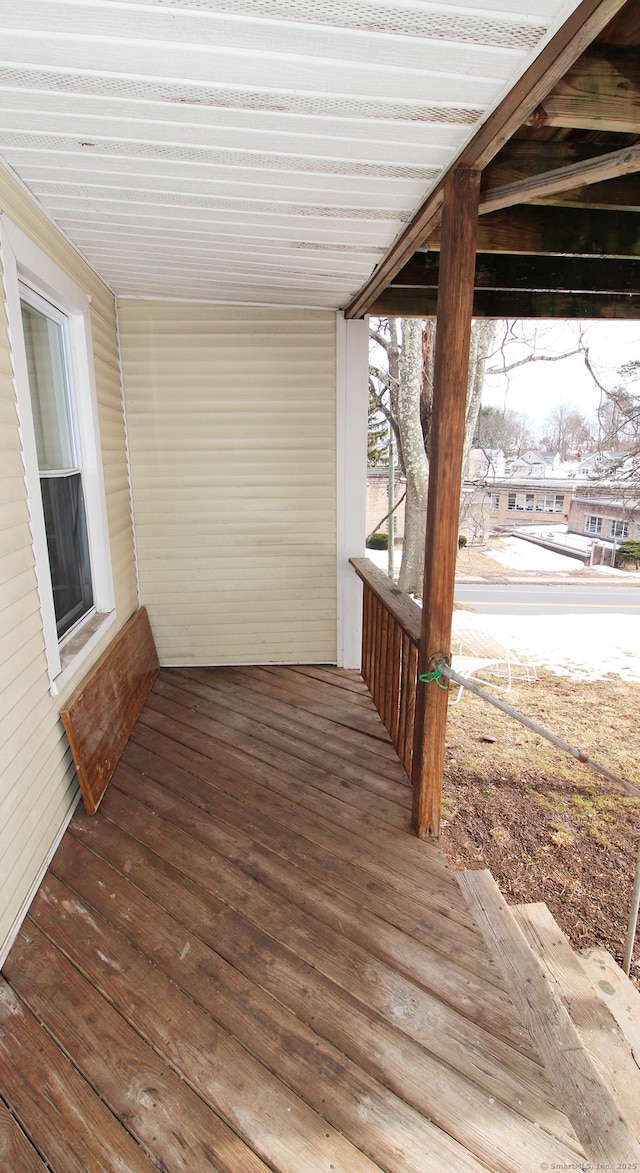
(414, 457)
(482, 335)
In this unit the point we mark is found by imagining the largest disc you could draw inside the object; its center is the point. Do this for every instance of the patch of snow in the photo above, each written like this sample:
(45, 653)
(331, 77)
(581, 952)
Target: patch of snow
(585, 647)
(521, 555)
(380, 558)
(610, 570)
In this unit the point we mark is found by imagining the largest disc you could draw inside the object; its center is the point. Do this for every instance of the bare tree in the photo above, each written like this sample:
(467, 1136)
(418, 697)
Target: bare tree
(509, 430)
(566, 430)
(401, 384)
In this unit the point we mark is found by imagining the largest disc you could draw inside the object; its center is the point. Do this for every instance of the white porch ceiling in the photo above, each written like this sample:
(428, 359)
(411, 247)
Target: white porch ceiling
(248, 150)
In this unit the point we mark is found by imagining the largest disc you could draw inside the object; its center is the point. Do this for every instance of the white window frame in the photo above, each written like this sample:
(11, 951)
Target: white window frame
(593, 523)
(24, 262)
(618, 528)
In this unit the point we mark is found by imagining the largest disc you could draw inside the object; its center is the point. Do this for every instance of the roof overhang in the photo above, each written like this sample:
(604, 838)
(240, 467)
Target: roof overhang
(270, 151)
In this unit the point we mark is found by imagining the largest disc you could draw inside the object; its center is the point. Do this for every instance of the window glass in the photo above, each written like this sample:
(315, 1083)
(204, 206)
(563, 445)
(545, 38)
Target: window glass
(49, 386)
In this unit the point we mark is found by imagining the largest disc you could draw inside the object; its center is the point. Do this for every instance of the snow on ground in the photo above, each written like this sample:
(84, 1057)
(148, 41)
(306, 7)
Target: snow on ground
(585, 647)
(381, 559)
(521, 555)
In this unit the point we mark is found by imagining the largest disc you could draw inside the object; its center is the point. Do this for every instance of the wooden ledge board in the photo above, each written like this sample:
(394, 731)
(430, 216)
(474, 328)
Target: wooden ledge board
(102, 712)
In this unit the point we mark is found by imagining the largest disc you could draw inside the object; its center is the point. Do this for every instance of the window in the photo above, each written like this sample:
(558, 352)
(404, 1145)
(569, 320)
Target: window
(619, 529)
(495, 501)
(550, 503)
(521, 502)
(592, 524)
(50, 330)
(46, 343)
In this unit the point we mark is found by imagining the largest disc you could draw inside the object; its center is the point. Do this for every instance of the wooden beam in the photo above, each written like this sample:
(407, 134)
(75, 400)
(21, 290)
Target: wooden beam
(547, 231)
(509, 271)
(521, 303)
(601, 91)
(579, 30)
(453, 336)
(560, 179)
(523, 158)
(622, 195)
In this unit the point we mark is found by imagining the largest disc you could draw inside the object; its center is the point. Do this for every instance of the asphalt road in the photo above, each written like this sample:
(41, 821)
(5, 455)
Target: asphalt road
(503, 599)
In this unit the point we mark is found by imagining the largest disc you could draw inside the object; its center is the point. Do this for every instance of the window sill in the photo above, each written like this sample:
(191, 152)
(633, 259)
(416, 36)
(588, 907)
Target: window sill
(75, 652)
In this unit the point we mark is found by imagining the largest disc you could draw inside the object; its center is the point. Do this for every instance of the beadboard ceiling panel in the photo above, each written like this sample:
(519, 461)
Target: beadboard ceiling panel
(262, 151)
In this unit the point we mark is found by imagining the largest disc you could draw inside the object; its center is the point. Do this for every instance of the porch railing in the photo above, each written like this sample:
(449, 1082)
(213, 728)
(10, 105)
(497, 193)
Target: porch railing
(390, 641)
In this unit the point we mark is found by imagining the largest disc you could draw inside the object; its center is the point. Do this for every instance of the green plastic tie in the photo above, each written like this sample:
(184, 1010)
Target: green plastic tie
(430, 677)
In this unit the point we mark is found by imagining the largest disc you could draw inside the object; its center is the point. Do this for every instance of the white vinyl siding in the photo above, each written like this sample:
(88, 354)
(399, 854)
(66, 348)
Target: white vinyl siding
(37, 779)
(231, 418)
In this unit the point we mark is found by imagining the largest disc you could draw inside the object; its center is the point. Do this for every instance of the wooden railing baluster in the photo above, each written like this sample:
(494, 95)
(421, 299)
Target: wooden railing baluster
(390, 641)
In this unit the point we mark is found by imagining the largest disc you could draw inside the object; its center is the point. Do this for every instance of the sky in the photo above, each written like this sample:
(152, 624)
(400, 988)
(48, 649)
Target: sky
(534, 389)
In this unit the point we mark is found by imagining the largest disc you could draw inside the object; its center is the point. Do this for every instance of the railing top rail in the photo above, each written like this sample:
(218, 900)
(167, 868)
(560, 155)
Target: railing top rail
(405, 611)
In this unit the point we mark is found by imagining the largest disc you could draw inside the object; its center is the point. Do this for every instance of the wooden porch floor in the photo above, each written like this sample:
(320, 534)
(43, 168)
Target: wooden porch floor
(245, 961)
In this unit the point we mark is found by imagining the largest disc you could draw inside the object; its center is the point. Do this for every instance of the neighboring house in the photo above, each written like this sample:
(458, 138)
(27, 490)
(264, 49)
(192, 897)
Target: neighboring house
(535, 464)
(609, 519)
(597, 465)
(485, 463)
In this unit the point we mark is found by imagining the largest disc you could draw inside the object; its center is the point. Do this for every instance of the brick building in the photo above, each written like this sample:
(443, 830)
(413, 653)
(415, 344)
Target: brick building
(607, 519)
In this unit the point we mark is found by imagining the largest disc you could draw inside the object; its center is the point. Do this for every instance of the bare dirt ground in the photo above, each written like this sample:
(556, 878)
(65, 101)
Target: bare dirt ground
(547, 827)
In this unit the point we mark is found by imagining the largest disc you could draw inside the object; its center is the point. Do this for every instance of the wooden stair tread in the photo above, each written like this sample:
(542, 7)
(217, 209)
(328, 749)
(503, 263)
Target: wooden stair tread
(596, 1026)
(616, 992)
(586, 1098)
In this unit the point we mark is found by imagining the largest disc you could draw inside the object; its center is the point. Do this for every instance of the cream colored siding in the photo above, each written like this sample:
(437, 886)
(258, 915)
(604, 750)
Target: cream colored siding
(37, 779)
(231, 417)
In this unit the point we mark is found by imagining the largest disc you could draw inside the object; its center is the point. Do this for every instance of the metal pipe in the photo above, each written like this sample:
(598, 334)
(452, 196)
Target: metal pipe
(633, 919)
(445, 669)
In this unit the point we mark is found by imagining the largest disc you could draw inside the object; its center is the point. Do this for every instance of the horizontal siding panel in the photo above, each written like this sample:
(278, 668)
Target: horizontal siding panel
(37, 781)
(38, 830)
(231, 418)
(17, 561)
(15, 588)
(42, 758)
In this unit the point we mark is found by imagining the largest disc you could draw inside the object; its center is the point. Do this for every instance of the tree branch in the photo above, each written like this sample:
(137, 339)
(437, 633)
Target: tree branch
(387, 515)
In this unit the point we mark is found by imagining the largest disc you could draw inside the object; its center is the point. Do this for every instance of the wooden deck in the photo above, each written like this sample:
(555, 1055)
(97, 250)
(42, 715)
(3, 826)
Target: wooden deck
(246, 961)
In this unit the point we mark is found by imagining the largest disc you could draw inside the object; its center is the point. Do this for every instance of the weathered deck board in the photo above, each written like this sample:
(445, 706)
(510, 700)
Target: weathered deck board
(16, 1151)
(72, 1125)
(303, 838)
(248, 962)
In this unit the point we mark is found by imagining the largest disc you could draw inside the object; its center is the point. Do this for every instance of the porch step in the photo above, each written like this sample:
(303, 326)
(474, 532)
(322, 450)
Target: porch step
(616, 992)
(579, 1045)
(598, 1029)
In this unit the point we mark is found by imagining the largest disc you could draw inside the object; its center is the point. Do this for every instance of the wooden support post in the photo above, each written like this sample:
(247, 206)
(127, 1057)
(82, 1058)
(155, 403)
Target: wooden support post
(453, 336)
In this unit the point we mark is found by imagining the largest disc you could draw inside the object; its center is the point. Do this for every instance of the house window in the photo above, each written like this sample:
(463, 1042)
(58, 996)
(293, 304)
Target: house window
(495, 501)
(521, 502)
(46, 342)
(619, 529)
(50, 327)
(550, 503)
(592, 524)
